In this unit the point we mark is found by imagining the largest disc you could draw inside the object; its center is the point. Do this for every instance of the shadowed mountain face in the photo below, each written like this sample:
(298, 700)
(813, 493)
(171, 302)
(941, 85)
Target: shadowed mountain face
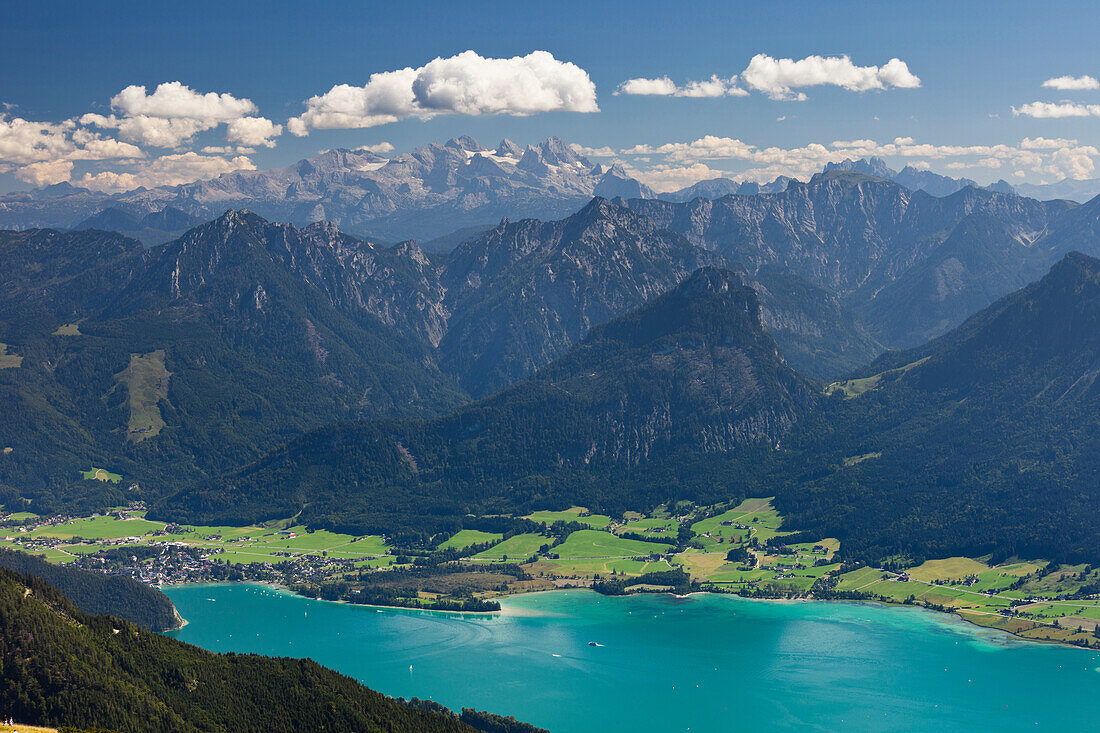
(201, 354)
(184, 360)
(883, 249)
(984, 440)
(690, 378)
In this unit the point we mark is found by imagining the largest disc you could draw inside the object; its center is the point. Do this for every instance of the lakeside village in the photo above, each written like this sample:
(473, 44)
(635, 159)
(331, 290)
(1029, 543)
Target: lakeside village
(738, 549)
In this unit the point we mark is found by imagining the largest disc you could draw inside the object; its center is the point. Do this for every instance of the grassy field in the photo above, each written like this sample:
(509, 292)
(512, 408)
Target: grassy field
(68, 329)
(100, 474)
(587, 568)
(98, 528)
(652, 527)
(519, 547)
(9, 360)
(948, 569)
(592, 543)
(466, 537)
(855, 387)
(574, 514)
(146, 383)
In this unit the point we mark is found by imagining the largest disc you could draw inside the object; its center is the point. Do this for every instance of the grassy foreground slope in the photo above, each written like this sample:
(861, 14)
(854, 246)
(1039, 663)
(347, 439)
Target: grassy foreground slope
(61, 666)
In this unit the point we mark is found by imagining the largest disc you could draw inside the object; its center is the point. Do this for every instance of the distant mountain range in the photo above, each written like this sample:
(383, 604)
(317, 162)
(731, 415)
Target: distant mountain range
(438, 194)
(427, 193)
(911, 264)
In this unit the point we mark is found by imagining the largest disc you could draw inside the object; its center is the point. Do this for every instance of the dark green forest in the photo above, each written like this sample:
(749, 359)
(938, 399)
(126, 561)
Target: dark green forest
(98, 594)
(60, 666)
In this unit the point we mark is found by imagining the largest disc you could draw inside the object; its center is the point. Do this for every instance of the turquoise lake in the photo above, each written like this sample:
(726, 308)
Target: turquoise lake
(703, 663)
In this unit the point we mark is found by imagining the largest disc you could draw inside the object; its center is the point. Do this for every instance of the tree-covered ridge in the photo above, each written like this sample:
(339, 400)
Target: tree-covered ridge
(681, 395)
(60, 666)
(983, 441)
(98, 594)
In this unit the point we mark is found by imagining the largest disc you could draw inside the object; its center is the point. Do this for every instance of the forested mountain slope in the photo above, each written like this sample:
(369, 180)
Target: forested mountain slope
(982, 441)
(99, 594)
(686, 393)
(61, 666)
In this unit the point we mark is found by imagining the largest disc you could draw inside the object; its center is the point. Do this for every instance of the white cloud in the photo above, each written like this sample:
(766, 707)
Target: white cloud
(377, 148)
(46, 172)
(24, 141)
(604, 152)
(1072, 83)
(254, 131)
(464, 84)
(663, 86)
(167, 170)
(46, 150)
(174, 100)
(1056, 109)
(679, 163)
(173, 114)
(778, 78)
(664, 178)
(1046, 143)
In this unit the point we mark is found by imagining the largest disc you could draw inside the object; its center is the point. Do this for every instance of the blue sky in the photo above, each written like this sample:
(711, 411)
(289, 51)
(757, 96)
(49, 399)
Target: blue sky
(975, 61)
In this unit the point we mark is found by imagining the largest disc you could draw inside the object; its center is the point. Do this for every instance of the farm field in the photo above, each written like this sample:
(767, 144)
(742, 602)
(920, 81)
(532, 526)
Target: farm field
(9, 360)
(518, 547)
(467, 537)
(591, 543)
(575, 514)
(100, 474)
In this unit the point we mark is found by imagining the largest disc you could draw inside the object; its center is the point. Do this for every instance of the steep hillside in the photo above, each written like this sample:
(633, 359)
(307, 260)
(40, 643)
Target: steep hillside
(60, 666)
(983, 441)
(523, 293)
(202, 354)
(98, 594)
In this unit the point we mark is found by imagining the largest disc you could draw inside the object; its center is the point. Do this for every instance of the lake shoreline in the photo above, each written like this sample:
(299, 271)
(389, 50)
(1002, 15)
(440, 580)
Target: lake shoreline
(505, 611)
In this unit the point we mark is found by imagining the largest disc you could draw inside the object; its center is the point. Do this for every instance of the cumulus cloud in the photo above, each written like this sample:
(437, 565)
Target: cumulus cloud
(46, 150)
(167, 170)
(466, 84)
(779, 78)
(253, 131)
(1046, 143)
(660, 87)
(24, 141)
(46, 172)
(663, 86)
(1072, 83)
(603, 152)
(1057, 109)
(173, 114)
